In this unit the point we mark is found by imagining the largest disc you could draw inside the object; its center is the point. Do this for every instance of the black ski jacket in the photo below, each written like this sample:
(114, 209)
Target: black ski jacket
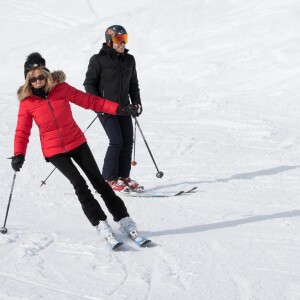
(113, 76)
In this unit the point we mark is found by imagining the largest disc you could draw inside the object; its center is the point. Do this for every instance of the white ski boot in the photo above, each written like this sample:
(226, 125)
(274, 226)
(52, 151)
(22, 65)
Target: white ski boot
(106, 232)
(128, 226)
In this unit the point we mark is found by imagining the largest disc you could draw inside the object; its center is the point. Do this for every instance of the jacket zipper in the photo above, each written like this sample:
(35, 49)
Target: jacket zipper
(56, 123)
(120, 95)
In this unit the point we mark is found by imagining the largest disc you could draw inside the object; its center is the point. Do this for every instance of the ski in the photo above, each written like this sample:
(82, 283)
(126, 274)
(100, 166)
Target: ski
(115, 246)
(150, 194)
(193, 189)
(139, 239)
(112, 242)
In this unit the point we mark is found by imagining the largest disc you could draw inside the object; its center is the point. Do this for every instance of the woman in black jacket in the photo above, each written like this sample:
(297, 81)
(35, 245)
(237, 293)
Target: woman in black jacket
(112, 74)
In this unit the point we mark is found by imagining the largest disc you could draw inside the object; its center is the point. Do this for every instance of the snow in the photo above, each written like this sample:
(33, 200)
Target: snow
(219, 83)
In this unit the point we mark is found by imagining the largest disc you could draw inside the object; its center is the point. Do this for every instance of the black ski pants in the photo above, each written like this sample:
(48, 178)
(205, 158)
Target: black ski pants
(117, 161)
(91, 207)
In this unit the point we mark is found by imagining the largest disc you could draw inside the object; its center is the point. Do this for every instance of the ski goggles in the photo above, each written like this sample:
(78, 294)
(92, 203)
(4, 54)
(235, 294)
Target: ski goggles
(120, 38)
(35, 79)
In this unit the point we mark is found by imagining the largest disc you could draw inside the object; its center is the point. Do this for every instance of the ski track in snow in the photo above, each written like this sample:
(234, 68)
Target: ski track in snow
(48, 19)
(92, 10)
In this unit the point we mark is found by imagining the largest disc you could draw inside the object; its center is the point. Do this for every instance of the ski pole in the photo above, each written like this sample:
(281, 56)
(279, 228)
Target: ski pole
(4, 229)
(159, 174)
(134, 163)
(91, 124)
(44, 181)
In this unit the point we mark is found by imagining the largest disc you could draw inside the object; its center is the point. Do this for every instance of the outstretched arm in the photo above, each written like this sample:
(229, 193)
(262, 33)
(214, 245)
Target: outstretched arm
(98, 104)
(92, 102)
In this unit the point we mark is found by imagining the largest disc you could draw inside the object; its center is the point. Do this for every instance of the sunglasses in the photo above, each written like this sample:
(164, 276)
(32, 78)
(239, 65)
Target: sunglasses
(35, 79)
(120, 38)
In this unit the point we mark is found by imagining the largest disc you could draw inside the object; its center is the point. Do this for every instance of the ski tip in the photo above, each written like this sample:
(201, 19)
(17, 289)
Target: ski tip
(179, 193)
(145, 243)
(117, 246)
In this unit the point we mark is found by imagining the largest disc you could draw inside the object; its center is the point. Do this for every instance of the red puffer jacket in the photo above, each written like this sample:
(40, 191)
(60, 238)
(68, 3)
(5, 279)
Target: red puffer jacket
(59, 132)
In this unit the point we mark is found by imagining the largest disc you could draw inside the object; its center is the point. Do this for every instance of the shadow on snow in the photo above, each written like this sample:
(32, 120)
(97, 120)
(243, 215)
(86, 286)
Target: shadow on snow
(226, 224)
(241, 176)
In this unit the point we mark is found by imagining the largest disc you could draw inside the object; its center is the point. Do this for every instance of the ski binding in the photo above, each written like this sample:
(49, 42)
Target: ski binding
(113, 242)
(139, 239)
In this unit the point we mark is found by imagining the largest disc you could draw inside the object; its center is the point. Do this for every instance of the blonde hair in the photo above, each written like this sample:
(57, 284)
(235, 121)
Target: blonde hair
(26, 89)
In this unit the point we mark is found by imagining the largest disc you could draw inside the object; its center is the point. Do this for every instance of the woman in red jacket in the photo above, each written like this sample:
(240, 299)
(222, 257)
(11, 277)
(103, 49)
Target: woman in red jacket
(45, 99)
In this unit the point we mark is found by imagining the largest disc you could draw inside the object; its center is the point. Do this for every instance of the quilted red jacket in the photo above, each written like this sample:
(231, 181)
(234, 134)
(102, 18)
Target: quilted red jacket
(59, 133)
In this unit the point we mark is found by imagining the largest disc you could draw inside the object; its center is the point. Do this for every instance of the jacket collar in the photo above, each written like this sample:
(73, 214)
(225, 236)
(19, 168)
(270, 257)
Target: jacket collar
(110, 51)
(57, 76)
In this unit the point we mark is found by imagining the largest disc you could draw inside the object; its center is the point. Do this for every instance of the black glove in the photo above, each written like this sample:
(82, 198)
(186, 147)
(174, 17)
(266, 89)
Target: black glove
(127, 110)
(17, 162)
(139, 110)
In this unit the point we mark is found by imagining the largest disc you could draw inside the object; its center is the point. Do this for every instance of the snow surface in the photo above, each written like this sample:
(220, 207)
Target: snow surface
(220, 88)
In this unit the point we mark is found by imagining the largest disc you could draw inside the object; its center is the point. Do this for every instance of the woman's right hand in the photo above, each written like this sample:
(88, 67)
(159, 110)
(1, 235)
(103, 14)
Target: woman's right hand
(17, 162)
